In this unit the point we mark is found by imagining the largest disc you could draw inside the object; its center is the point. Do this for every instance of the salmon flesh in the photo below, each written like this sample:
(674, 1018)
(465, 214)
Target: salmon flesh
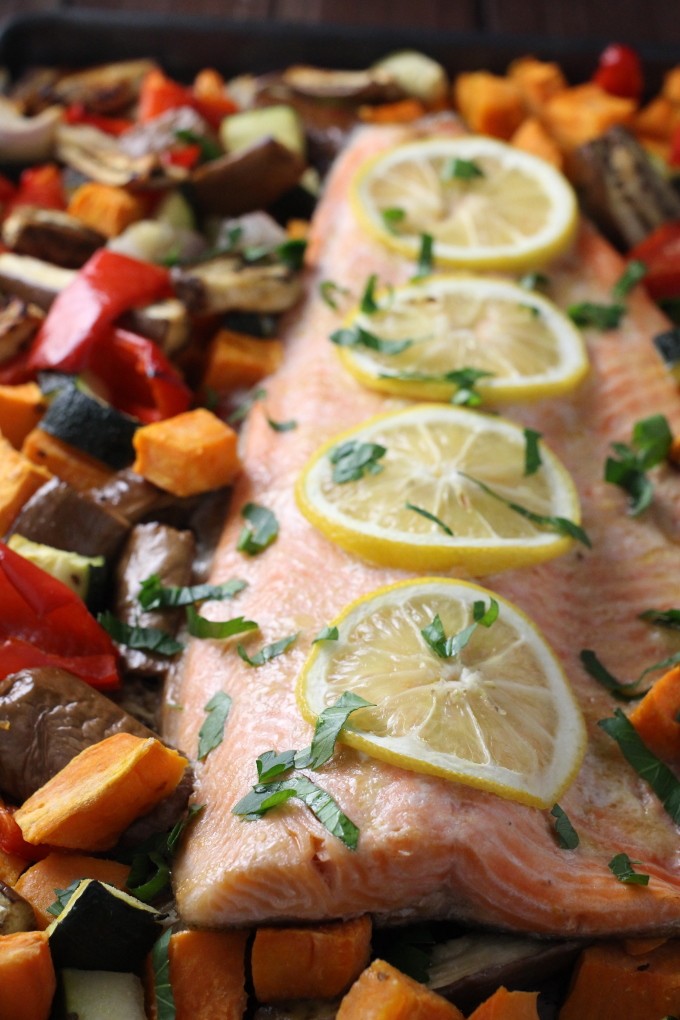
(431, 848)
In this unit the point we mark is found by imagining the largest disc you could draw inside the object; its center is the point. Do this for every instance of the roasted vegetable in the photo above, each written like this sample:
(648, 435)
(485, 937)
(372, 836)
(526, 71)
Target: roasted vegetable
(52, 236)
(16, 913)
(39, 883)
(27, 976)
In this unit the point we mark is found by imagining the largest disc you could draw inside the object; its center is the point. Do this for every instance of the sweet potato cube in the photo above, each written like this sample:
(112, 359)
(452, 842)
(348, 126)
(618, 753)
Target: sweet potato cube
(207, 973)
(537, 81)
(19, 479)
(237, 361)
(94, 798)
(21, 408)
(488, 103)
(27, 978)
(191, 453)
(609, 984)
(658, 119)
(383, 993)
(11, 866)
(655, 717)
(505, 1005)
(579, 114)
(57, 871)
(105, 207)
(316, 962)
(671, 85)
(78, 469)
(532, 137)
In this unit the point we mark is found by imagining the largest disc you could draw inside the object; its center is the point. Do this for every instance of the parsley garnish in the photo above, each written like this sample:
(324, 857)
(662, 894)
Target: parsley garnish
(425, 256)
(393, 217)
(651, 441)
(154, 595)
(260, 530)
(603, 317)
(462, 170)
(208, 148)
(430, 517)
(328, 290)
(562, 525)
(647, 765)
(282, 426)
(352, 460)
(464, 379)
(632, 274)
(532, 452)
(201, 627)
(597, 671)
(327, 634)
(211, 732)
(622, 867)
(267, 652)
(662, 617)
(292, 252)
(355, 336)
(368, 304)
(327, 730)
(533, 281)
(448, 647)
(246, 406)
(63, 897)
(165, 1000)
(151, 860)
(148, 639)
(567, 836)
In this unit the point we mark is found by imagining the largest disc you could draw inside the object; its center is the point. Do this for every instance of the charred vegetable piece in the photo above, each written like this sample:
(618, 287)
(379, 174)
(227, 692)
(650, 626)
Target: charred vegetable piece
(90, 424)
(249, 179)
(15, 913)
(32, 280)
(108, 88)
(27, 139)
(375, 85)
(225, 284)
(19, 322)
(132, 497)
(51, 235)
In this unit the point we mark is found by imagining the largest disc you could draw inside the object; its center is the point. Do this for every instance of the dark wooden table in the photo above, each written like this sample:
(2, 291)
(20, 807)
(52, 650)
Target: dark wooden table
(633, 21)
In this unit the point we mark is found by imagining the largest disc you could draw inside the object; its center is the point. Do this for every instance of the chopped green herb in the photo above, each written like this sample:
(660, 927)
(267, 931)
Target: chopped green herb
(160, 962)
(355, 336)
(448, 648)
(662, 617)
(430, 517)
(327, 729)
(632, 274)
(151, 860)
(200, 627)
(534, 281)
(271, 764)
(622, 867)
(211, 732)
(462, 170)
(63, 896)
(465, 379)
(662, 781)
(603, 317)
(597, 671)
(268, 651)
(393, 217)
(562, 525)
(368, 303)
(651, 441)
(327, 634)
(425, 256)
(282, 426)
(208, 148)
(266, 796)
(260, 531)
(352, 460)
(148, 639)
(567, 836)
(292, 252)
(155, 595)
(246, 406)
(532, 452)
(330, 291)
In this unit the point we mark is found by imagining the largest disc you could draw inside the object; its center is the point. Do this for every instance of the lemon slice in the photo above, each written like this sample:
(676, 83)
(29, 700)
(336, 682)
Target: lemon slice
(527, 345)
(441, 460)
(498, 714)
(513, 210)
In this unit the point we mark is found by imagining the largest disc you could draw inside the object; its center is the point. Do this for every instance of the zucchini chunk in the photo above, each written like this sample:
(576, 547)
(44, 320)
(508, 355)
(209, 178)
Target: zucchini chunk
(85, 575)
(91, 425)
(100, 995)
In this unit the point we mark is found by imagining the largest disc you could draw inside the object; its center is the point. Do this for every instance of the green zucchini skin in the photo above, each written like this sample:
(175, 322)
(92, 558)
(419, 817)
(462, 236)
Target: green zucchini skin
(102, 928)
(91, 425)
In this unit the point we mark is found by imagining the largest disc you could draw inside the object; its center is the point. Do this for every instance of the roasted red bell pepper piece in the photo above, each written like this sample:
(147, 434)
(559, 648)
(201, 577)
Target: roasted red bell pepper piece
(42, 186)
(41, 617)
(107, 285)
(158, 94)
(12, 840)
(660, 253)
(187, 156)
(619, 72)
(76, 113)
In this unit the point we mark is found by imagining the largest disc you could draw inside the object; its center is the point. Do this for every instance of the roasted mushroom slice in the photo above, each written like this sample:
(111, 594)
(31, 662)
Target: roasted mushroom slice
(374, 85)
(166, 323)
(225, 284)
(32, 279)
(27, 139)
(100, 158)
(16, 914)
(19, 322)
(108, 88)
(51, 235)
(250, 179)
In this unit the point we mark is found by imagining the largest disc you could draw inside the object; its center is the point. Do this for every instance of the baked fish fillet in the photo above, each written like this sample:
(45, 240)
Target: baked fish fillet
(430, 848)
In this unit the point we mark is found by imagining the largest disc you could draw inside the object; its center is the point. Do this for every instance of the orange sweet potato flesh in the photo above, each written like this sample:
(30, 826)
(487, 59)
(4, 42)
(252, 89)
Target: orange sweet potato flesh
(56, 871)
(537, 81)
(384, 993)
(488, 103)
(505, 1005)
(238, 361)
(532, 137)
(317, 962)
(101, 791)
(655, 717)
(609, 984)
(188, 454)
(74, 467)
(19, 479)
(21, 408)
(27, 979)
(207, 974)
(583, 112)
(11, 866)
(106, 208)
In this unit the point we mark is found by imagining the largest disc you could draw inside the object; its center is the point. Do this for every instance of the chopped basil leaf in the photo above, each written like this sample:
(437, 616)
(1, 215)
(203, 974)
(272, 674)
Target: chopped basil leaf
(532, 281)
(662, 781)
(672, 660)
(632, 274)
(562, 525)
(151, 860)
(425, 256)
(355, 336)
(352, 460)
(260, 531)
(597, 671)
(246, 406)
(327, 729)
(327, 634)
(160, 962)
(622, 867)
(282, 426)
(268, 651)
(464, 379)
(462, 170)
(148, 639)
(587, 313)
(448, 648)
(179, 827)
(393, 217)
(651, 441)
(200, 627)
(567, 836)
(368, 304)
(208, 148)
(662, 617)
(155, 595)
(63, 896)
(211, 732)
(430, 517)
(532, 452)
(328, 290)
(265, 796)
(292, 252)
(271, 764)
